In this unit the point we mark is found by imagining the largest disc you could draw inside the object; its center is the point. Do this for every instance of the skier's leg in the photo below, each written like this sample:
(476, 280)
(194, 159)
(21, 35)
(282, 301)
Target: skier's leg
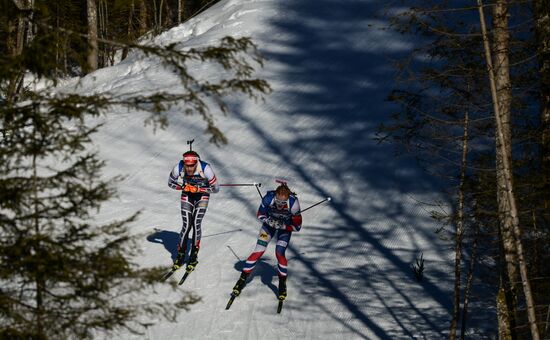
(283, 239)
(186, 215)
(261, 244)
(198, 214)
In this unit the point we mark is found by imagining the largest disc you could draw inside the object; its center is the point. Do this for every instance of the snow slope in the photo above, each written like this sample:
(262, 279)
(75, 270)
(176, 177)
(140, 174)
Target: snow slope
(349, 267)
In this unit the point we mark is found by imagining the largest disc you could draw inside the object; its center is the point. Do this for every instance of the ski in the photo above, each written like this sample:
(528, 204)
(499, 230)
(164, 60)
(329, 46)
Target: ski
(280, 306)
(241, 283)
(282, 293)
(187, 272)
(168, 274)
(230, 302)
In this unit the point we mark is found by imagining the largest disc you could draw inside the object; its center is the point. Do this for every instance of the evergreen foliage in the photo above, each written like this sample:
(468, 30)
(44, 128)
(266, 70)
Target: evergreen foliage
(118, 20)
(61, 274)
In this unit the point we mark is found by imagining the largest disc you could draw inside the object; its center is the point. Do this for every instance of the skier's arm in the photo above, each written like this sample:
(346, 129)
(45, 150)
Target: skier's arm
(296, 217)
(262, 213)
(175, 181)
(213, 185)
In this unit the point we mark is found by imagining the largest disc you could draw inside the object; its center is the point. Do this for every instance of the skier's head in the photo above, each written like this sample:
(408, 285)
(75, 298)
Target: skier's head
(190, 158)
(282, 193)
(190, 161)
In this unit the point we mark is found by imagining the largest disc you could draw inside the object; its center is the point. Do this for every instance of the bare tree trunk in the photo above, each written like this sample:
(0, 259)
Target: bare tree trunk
(130, 31)
(160, 16)
(100, 35)
(106, 52)
(20, 33)
(23, 6)
(65, 56)
(57, 54)
(30, 29)
(503, 313)
(157, 10)
(39, 281)
(179, 11)
(498, 81)
(142, 17)
(156, 23)
(16, 81)
(169, 15)
(459, 230)
(91, 7)
(11, 39)
(23, 36)
(503, 145)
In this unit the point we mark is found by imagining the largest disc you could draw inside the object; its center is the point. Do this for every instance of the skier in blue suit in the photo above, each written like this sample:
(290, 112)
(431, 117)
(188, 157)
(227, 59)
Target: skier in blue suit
(280, 215)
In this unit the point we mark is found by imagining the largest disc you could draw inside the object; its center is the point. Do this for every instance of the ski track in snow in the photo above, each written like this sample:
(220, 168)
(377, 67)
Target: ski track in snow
(349, 267)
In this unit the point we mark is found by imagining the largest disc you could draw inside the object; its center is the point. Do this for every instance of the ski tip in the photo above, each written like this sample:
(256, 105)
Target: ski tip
(183, 278)
(259, 185)
(329, 198)
(167, 275)
(230, 302)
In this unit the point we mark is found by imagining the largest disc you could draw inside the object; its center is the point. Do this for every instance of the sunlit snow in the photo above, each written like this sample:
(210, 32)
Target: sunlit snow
(349, 266)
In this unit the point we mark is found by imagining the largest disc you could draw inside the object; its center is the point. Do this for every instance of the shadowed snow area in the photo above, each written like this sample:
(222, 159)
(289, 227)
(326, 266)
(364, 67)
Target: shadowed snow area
(349, 267)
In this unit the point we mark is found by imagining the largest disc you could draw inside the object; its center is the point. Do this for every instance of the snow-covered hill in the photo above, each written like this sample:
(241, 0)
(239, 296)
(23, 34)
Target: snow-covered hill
(349, 268)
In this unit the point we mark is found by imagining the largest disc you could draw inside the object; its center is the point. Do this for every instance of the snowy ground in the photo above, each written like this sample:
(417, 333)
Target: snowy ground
(349, 267)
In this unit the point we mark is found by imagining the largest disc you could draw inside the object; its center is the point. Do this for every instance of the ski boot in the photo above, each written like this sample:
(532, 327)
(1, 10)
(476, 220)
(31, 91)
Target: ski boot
(241, 282)
(282, 288)
(192, 260)
(178, 262)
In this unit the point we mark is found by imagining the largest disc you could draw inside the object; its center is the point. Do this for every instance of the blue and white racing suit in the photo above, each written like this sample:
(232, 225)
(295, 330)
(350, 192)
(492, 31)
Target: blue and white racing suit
(289, 215)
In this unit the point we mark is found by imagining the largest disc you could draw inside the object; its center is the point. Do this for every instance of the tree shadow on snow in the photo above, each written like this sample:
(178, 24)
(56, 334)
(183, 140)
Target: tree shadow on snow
(339, 65)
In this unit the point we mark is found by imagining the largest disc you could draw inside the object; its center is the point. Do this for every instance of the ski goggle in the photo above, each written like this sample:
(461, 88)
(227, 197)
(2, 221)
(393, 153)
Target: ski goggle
(279, 203)
(190, 160)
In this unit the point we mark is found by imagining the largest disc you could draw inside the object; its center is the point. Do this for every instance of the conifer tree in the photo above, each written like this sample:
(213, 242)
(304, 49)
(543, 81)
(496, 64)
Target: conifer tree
(63, 275)
(448, 81)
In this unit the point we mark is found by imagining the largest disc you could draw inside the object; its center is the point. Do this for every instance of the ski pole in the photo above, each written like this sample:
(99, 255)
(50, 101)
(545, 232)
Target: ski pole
(314, 205)
(256, 185)
(240, 184)
(259, 192)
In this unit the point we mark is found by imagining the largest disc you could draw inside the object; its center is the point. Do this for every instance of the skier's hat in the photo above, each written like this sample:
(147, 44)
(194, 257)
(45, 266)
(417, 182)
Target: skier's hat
(190, 158)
